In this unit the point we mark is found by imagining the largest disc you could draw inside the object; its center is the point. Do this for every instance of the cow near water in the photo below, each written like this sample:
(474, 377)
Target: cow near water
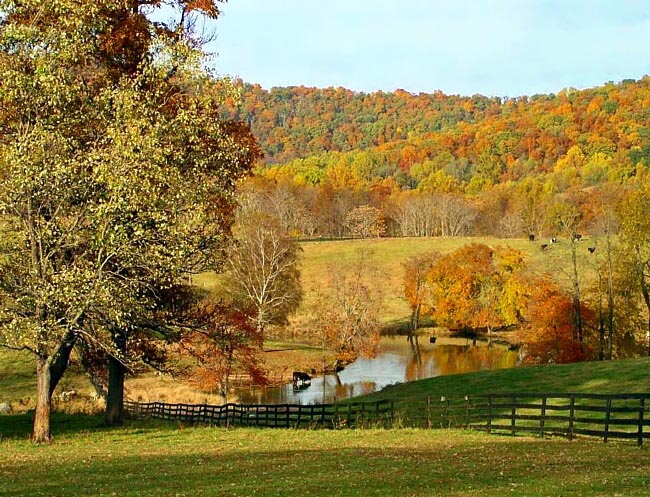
(301, 377)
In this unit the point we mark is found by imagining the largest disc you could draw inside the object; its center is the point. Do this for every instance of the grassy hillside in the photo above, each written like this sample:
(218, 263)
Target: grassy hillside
(147, 460)
(623, 376)
(320, 258)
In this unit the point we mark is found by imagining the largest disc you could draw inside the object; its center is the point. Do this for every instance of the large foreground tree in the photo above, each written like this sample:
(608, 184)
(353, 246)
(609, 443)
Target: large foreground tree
(116, 175)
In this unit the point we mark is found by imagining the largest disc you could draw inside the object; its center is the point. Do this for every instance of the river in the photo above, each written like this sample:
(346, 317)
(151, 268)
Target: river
(397, 362)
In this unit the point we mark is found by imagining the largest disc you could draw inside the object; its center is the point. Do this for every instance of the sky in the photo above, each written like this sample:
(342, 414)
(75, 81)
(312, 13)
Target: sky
(490, 47)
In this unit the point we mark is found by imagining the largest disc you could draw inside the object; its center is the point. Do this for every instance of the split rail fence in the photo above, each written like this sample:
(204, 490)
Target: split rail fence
(616, 416)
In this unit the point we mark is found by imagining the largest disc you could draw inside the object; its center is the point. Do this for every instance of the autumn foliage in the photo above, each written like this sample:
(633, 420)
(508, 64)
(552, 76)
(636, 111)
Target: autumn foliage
(348, 311)
(475, 287)
(549, 335)
(225, 343)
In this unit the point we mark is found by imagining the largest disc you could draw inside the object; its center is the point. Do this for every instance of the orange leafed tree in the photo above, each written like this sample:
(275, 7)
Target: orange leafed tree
(549, 336)
(477, 287)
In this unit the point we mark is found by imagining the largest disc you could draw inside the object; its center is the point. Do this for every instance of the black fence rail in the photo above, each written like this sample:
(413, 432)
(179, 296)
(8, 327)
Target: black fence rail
(616, 416)
(351, 415)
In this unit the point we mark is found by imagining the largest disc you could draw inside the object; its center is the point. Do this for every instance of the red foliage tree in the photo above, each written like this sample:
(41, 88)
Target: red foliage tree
(227, 343)
(549, 336)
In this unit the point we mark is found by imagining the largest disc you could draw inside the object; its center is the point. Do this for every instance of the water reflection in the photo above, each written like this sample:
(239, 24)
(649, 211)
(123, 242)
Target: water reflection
(398, 361)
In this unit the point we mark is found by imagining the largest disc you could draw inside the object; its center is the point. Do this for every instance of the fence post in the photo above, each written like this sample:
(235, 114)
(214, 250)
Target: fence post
(572, 414)
(489, 419)
(445, 413)
(608, 416)
(428, 411)
(466, 411)
(640, 432)
(542, 417)
(513, 413)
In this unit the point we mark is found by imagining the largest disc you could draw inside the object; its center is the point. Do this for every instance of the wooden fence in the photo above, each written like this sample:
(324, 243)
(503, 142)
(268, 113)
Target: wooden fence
(351, 414)
(617, 416)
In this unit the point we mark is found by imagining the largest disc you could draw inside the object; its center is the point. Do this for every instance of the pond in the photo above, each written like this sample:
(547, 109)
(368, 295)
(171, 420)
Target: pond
(398, 361)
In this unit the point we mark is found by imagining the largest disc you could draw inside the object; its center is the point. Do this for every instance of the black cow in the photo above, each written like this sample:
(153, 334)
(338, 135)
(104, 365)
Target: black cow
(544, 246)
(591, 250)
(531, 238)
(577, 237)
(299, 376)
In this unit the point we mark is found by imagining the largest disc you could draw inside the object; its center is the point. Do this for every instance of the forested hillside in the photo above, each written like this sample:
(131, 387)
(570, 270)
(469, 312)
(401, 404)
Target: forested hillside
(494, 138)
(432, 164)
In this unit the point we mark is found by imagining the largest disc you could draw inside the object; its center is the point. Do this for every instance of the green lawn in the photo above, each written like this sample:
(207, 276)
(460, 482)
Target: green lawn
(155, 459)
(17, 374)
(148, 460)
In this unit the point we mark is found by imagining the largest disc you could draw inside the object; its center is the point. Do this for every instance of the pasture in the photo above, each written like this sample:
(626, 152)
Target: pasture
(386, 256)
(145, 459)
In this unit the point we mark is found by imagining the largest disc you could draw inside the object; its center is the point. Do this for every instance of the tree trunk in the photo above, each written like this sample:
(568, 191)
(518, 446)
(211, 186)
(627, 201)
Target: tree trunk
(645, 291)
(646, 299)
(42, 431)
(610, 299)
(601, 320)
(577, 314)
(114, 415)
(415, 320)
(61, 359)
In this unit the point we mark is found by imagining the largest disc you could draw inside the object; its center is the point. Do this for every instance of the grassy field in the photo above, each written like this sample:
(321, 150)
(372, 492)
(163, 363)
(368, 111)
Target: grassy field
(320, 258)
(412, 400)
(148, 460)
(155, 459)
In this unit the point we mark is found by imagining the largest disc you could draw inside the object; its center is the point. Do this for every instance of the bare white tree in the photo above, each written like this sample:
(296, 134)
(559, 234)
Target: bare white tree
(263, 269)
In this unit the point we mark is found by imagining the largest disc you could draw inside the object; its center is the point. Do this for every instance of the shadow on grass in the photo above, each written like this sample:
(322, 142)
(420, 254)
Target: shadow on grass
(19, 426)
(178, 467)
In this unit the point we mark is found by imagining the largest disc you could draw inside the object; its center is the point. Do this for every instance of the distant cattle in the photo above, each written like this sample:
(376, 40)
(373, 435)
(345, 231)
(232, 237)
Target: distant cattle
(531, 238)
(432, 339)
(301, 377)
(554, 239)
(544, 246)
(591, 250)
(577, 237)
